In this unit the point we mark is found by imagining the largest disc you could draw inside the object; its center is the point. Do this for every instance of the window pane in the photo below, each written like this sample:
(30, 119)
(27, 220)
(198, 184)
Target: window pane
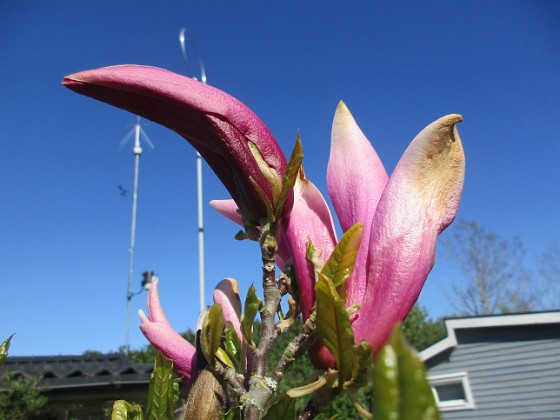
(449, 392)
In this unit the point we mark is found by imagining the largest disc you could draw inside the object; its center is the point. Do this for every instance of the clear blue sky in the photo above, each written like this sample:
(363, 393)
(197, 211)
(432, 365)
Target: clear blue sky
(65, 230)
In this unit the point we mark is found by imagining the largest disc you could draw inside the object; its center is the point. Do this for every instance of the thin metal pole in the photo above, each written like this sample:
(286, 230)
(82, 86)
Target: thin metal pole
(200, 230)
(182, 34)
(137, 152)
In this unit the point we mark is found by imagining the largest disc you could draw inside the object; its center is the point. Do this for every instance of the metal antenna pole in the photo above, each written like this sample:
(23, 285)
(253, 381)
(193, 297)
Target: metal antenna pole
(200, 229)
(137, 150)
(198, 164)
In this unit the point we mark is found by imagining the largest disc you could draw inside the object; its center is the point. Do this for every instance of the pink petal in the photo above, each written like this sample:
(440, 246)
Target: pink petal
(219, 126)
(227, 208)
(356, 179)
(226, 294)
(159, 332)
(309, 219)
(155, 311)
(419, 202)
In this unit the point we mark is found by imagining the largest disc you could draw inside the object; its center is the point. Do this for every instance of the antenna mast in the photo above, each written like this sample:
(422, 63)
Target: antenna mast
(137, 150)
(198, 161)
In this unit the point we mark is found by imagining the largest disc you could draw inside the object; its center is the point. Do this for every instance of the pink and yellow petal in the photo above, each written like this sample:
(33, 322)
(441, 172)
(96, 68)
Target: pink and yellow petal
(420, 200)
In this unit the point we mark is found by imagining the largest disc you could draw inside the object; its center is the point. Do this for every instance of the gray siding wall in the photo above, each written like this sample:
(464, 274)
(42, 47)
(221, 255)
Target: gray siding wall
(514, 372)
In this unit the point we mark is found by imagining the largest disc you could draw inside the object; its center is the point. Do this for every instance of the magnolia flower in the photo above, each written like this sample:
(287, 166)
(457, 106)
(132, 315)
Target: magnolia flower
(402, 216)
(163, 337)
(232, 139)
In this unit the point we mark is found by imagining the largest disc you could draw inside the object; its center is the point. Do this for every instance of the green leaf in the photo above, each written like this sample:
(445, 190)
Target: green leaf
(252, 302)
(314, 257)
(234, 413)
(290, 176)
(162, 392)
(400, 388)
(4, 347)
(267, 171)
(241, 236)
(223, 357)
(340, 265)
(123, 410)
(361, 368)
(284, 409)
(211, 334)
(333, 327)
(232, 342)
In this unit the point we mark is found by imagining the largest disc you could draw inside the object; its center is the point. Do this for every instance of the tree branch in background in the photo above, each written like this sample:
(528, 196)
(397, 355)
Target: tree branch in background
(495, 279)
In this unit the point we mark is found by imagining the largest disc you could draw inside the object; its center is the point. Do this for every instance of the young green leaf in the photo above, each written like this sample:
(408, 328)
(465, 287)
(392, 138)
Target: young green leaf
(224, 357)
(360, 374)
(284, 409)
(333, 327)
(211, 334)
(161, 393)
(252, 302)
(232, 342)
(268, 172)
(290, 176)
(123, 410)
(234, 413)
(340, 265)
(4, 347)
(400, 388)
(314, 257)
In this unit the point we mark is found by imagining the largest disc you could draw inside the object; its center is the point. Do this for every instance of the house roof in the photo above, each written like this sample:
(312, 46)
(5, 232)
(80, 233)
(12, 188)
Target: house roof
(76, 371)
(454, 324)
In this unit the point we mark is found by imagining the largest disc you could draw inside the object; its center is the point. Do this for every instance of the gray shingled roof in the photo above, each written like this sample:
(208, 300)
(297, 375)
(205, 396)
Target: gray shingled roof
(76, 371)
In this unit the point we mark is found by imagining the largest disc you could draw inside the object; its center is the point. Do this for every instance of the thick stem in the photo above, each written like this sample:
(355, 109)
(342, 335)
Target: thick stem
(271, 300)
(262, 388)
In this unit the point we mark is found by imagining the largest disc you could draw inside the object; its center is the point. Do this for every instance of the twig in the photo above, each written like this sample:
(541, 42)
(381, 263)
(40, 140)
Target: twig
(261, 388)
(229, 375)
(298, 346)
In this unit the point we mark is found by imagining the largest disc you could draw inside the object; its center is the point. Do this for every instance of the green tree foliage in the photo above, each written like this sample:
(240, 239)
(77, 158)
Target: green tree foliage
(420, 330)
(20, 398)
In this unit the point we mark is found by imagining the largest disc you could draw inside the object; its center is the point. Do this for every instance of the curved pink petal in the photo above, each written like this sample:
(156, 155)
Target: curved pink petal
(155, 311)
(309, 219)
(356, 179)
(163, 337)
(229, 209)
(226, 294)
(219, 126)
(419, 202)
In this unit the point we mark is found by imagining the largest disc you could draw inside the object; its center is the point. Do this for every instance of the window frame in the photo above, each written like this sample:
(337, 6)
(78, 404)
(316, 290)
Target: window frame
(449, 379)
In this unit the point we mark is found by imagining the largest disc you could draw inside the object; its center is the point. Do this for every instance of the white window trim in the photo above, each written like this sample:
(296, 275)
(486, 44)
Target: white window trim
(453, 378)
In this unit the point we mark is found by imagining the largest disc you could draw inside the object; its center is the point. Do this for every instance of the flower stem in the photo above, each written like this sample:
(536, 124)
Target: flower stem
(261, 388)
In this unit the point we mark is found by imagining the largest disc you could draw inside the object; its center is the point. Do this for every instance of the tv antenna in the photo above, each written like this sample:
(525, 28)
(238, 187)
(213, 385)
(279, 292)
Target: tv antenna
(138, 133)
(201, 78)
